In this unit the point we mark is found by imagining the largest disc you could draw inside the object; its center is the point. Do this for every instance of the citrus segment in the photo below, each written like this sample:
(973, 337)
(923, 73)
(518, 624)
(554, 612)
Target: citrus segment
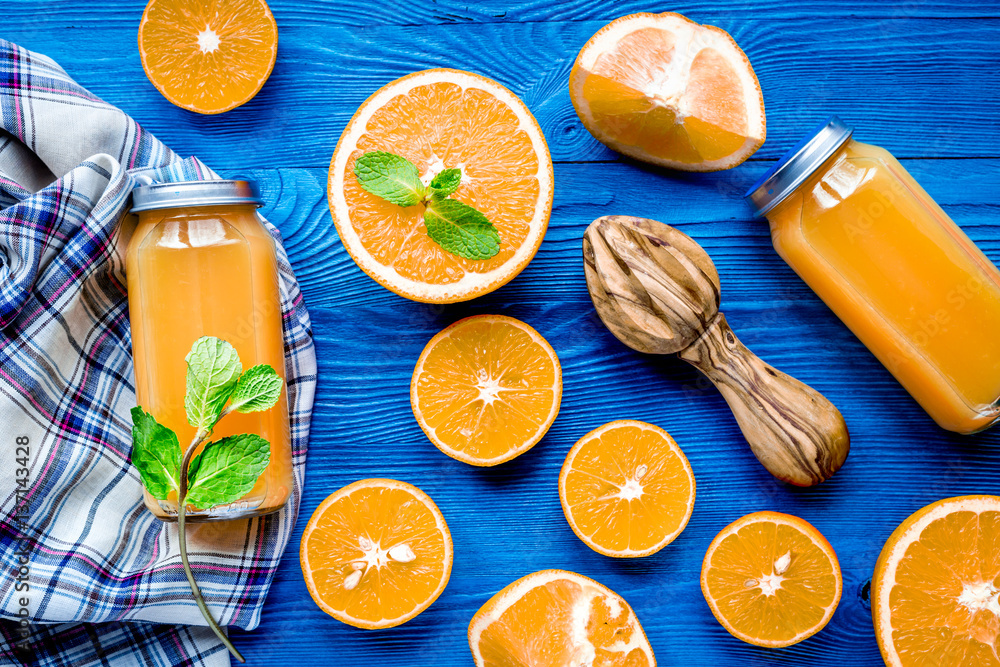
(936, 589)
(442, 119)
(208, 56)
(771, 579)
(661, 88)
(376, 553)
(486, 389)
(556, 618)
(627, 489)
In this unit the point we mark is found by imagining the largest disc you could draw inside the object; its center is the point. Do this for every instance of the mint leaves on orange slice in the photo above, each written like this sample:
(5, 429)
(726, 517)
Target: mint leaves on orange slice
(461, 229)
(455, 226)
(391, 177)
(445, 183)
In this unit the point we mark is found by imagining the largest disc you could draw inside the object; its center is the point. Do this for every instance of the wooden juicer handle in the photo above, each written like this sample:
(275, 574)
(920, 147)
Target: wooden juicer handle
(792, 429)
(658, 292)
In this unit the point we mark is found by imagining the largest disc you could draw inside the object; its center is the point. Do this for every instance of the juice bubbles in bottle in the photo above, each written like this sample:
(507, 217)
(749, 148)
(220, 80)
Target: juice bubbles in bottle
(853, 223)
(200, 263)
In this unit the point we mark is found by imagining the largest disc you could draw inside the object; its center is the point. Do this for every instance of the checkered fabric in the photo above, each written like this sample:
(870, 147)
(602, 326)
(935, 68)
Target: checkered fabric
(95, 577)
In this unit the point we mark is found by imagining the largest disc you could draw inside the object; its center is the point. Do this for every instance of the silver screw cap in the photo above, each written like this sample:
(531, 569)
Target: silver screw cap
(195, 193)
(797, 165)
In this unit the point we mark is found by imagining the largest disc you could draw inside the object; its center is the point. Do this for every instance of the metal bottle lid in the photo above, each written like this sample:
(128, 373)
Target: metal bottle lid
(797, 165)
(195, 193)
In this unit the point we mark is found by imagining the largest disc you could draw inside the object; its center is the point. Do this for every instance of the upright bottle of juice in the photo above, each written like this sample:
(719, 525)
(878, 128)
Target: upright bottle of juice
(853, 223)
(201, 263)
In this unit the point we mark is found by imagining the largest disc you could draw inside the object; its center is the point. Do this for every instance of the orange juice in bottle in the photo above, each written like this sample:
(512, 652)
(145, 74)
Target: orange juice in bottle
(201, 263)
(853, 223)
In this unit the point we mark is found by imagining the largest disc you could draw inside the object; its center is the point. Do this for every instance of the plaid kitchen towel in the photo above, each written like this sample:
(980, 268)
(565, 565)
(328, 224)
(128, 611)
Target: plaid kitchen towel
(90, 577)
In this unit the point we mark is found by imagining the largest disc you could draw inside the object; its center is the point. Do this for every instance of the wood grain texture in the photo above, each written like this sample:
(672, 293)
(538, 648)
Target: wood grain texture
(913, 85)
(359, 13)
(793, 430)
(918, 77)
(652, 285)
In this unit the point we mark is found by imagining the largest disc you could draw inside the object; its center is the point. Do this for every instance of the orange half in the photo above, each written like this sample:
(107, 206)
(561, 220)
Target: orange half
(936, 589)
(627, 489)
(208, 56)
(376, 553)
(556, 618)
(771, 579)
(486, 389)
(663, 89)
(444, 119)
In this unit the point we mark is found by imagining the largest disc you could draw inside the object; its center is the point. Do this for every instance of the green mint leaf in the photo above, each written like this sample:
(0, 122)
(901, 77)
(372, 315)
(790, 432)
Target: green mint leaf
(213, 370)
(257, 389)
(446, 182)
(461, 229)
(391, 177)
(156, 454)
(226, 470)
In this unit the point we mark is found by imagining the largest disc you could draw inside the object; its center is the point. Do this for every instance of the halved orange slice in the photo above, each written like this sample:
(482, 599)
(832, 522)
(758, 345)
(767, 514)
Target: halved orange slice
(208, 56)
(558, 618)
(661, 88)
(771, 579)
(627, 489)
(936, 589)
(486, 389)
(444, 119)
(376, 553)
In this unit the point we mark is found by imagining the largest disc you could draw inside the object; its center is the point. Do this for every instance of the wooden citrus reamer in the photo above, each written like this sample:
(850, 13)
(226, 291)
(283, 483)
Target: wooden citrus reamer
(657, 291)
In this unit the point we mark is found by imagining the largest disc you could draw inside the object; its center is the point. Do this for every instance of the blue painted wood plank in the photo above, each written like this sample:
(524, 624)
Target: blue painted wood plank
(507, 521)
(364, 13)
(916, 86)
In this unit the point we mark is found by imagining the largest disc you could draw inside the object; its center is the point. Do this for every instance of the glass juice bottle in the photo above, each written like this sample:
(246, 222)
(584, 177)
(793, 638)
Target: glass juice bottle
(855, 226)
(201, 263)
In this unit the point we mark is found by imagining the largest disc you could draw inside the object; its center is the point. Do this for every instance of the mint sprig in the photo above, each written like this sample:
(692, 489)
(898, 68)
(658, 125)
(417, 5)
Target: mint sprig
(156, 454)
(391, 177)
(225, 470)
(455, 226)
(257, 389)
(445, 183)
(461, 229)
(213, 370)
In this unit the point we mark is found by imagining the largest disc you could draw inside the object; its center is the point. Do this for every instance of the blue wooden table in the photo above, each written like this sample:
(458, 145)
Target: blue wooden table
(918, 77)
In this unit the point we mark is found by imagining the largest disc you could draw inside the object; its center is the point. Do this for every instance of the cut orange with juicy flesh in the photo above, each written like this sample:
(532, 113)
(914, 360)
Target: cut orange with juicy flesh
(442, 119)
(486, 389)
(555, 618)
(771, 579)
(627, 489)
(376, 553)
(663, 89)
(208, 56)
(936, 589)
